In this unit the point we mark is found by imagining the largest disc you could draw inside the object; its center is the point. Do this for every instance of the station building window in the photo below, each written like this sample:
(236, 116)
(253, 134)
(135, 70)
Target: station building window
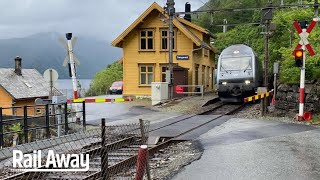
(146, 74)
(165, 40)
(147, 39)
(163, 73)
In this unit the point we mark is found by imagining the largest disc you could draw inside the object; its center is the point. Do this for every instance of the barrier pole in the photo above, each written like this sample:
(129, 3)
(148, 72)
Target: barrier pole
(141, 162)
(144, 141)
(104, 153)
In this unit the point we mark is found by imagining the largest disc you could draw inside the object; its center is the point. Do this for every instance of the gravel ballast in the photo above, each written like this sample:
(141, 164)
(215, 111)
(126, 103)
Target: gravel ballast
(169, 161)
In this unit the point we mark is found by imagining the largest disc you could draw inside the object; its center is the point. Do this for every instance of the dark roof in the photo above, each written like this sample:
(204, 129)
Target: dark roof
(30, 85)
(203, 44)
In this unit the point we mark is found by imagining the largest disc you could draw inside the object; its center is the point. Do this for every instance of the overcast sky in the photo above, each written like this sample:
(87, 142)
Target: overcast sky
(103, 19)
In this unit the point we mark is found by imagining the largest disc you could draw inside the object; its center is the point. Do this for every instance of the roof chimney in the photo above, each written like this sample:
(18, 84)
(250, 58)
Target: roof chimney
(17, 69)
(187, 7)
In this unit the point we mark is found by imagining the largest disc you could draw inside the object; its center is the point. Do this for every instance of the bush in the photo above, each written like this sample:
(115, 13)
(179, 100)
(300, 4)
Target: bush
(104, 79)
(316, 73)
(290, 75)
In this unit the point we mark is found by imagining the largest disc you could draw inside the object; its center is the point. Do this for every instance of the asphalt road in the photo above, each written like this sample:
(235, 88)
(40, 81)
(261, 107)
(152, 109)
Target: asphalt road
(112, 111)
(257, 149)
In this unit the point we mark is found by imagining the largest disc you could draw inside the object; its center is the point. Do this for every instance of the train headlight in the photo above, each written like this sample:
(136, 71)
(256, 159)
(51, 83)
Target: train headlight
(224, 83)
(247, 81)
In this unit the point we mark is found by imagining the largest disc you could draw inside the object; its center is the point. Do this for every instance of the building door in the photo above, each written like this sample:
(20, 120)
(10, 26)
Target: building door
(180, 77)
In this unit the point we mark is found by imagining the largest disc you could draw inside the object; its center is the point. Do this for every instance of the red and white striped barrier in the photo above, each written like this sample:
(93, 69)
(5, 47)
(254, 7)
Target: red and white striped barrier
(99, 100)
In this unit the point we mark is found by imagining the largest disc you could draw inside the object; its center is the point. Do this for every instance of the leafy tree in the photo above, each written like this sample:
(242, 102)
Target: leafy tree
(281, 49)
(104, 79)
(279, 43)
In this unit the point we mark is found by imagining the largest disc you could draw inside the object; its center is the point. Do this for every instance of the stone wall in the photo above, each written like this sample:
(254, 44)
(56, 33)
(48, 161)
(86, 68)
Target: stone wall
(287, 97)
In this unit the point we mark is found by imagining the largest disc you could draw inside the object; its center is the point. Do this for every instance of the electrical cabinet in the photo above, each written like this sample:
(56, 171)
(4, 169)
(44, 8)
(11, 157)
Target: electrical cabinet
(159, 92)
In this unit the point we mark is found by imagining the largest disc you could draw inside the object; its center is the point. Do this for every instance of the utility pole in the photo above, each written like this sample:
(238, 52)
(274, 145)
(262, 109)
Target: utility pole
(266, 19)
(171, 12)
(264, 102)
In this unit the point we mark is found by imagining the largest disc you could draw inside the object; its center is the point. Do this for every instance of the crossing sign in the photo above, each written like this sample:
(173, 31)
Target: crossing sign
(300, 57)
(304, 34)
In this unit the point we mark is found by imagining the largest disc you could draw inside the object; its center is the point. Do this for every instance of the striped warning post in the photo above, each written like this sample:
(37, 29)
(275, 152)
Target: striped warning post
(258, 96)
(99, 100)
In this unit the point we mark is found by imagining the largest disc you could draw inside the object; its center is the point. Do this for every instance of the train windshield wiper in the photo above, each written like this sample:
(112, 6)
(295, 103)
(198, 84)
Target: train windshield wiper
(247, 68)
(224, 69)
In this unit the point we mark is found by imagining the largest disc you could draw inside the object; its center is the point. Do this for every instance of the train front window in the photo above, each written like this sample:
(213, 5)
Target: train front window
(236, 64)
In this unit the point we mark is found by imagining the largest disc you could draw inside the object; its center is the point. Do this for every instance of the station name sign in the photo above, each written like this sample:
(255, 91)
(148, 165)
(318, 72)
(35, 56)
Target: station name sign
(182, 57)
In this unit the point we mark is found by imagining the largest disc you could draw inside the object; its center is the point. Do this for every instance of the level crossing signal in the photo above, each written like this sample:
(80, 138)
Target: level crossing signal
(304, 29)
(298, 56)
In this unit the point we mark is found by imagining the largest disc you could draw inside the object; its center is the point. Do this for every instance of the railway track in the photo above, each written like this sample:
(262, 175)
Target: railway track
(123, 153)
(225, 109)
(228, 109)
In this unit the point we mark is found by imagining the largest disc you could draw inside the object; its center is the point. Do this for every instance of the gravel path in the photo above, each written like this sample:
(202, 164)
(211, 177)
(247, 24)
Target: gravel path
(252, 111)
(185, 105)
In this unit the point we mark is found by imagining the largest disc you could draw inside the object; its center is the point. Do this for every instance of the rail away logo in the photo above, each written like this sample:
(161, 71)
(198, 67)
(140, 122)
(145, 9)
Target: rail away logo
(52, 162)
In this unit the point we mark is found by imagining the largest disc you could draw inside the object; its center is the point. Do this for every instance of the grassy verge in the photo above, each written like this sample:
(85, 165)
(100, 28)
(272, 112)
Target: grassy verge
(141, 102)
(316, 119)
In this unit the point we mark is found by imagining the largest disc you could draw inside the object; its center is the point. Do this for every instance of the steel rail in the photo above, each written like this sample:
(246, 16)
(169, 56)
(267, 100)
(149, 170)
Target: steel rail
(112, 146)
(132, 160)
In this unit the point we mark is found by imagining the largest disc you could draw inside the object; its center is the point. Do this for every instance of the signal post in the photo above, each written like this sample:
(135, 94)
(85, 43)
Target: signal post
(300, 58)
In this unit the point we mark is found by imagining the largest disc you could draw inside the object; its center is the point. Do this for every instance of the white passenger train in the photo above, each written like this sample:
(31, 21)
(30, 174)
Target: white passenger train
(239, 73)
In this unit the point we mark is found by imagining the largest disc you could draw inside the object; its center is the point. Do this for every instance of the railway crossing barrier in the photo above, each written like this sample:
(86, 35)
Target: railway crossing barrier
(258, 96)
(179, 89)
(99, 100)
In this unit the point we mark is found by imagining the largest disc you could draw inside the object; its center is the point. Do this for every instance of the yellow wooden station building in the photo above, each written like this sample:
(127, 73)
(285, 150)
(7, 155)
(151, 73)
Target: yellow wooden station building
(145, 52)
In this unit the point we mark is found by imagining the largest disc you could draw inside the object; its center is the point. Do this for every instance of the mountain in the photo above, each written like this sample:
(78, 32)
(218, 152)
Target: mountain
(42, 51)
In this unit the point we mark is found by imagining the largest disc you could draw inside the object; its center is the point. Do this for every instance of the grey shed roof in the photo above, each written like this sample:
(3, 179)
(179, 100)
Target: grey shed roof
(30, 85)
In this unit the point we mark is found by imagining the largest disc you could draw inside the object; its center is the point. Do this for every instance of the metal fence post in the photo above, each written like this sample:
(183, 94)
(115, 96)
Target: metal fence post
(84, 115)
(104, 153)
(59, 119)
(25, 123)
(144, 141)
(66, 128)
(47, 121)
(1, 129)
